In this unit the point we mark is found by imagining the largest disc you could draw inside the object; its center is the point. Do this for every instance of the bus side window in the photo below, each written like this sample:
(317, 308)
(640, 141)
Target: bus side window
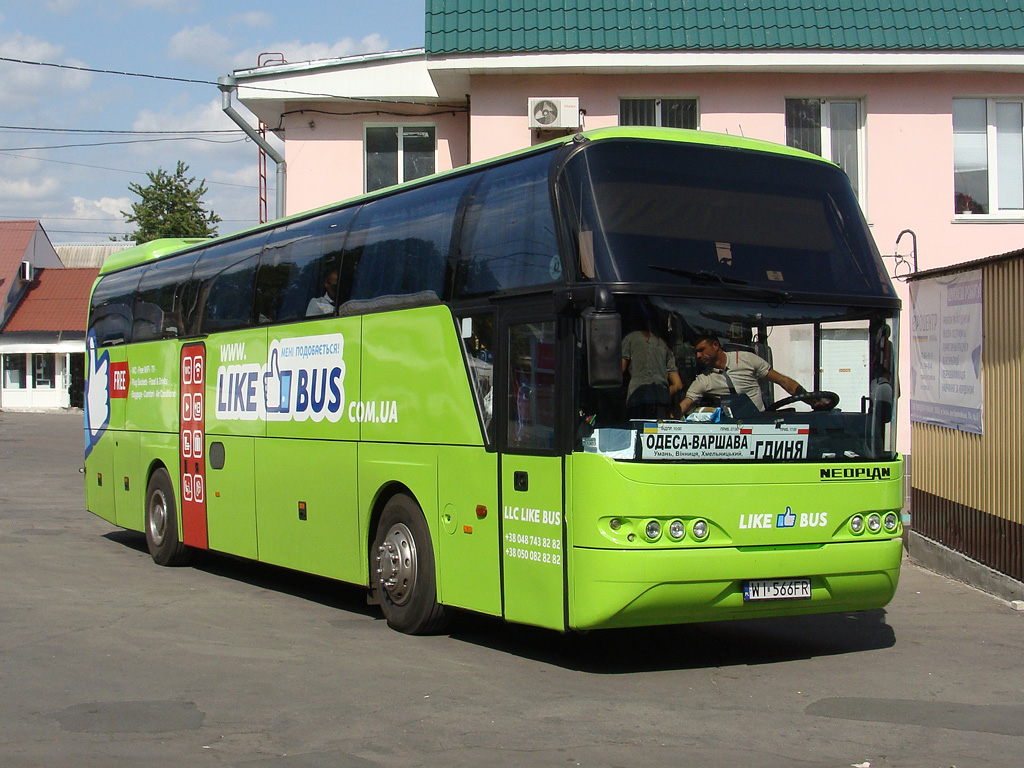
(294, 268)
(508, 238)
(226, 276)
(400, 244)
(110, 313)
(477, 333)
(160, 298)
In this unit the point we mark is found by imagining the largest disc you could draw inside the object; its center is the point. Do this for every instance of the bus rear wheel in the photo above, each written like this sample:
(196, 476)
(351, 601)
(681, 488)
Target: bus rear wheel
(402, 570)
(162, 522)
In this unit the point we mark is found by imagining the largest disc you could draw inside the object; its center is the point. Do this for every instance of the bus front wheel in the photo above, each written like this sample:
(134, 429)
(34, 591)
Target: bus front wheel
(402, 570)
(162, 522)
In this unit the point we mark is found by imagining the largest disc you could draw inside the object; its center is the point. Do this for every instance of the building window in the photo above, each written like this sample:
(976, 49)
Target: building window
(399, 153)
(830, 128)
(14, 372)
(43, 367)
(666, 113)
(988, 156)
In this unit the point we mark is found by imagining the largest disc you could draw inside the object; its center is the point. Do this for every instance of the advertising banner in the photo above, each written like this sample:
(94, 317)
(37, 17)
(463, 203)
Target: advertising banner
(945, 351)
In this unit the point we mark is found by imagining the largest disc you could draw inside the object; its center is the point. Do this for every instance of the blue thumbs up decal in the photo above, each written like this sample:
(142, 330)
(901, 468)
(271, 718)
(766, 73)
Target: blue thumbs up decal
(277, 387)
(786, 520)
(97, 394)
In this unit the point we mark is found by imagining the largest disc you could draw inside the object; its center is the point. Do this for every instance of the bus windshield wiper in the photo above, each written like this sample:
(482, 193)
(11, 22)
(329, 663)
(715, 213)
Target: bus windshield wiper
(732, 283)
(698, 275)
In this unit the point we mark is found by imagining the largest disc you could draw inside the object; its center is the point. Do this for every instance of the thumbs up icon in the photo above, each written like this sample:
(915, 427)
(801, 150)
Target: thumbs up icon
(786, 520)
(97, 394)
(277, 387)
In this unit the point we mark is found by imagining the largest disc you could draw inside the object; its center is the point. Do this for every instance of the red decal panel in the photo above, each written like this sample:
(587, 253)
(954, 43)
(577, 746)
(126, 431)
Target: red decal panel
(191, 445)
(119, 380)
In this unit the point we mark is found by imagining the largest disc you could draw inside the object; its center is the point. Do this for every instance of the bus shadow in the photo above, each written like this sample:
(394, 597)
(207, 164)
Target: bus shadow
(317, 589)
(613, 651)
(686, 646)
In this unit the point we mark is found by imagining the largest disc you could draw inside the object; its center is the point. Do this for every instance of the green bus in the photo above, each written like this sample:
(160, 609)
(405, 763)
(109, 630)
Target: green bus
(426, 390)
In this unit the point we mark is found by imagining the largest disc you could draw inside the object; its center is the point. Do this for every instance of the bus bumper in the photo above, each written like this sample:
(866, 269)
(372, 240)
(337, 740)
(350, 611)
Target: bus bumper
(620, 588)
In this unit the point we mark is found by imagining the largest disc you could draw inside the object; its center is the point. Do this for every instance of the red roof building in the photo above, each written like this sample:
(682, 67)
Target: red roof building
(43, 310)
(57, 301)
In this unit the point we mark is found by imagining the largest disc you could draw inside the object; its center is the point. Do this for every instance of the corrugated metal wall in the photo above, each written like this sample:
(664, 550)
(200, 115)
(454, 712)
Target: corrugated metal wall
(967, 489)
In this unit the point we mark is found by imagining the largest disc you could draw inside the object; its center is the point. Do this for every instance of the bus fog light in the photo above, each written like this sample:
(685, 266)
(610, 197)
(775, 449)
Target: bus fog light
(890, 522)
(699, 529)
(856, 523)
(676, 529)
(615, 523)
(653, 530)
(874, 523)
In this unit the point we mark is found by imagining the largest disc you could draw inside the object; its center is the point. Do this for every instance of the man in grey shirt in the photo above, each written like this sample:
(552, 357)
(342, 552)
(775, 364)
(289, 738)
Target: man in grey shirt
(734, 372)
(653, 377)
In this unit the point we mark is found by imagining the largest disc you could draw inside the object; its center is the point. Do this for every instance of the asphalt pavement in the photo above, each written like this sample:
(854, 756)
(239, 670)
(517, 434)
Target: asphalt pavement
(107, 660)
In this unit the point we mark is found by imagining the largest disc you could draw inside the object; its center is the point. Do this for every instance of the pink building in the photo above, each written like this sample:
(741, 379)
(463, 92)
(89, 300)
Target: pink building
(924, 109)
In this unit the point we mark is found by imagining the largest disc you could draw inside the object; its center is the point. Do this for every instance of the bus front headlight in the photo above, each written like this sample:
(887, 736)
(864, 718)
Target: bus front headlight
(653, 530)
(676, 530)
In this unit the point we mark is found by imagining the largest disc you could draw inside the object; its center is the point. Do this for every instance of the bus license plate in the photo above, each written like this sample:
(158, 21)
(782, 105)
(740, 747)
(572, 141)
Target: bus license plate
(777, 589)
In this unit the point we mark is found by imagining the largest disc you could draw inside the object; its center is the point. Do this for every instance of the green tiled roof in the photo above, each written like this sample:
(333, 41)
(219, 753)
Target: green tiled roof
(526, 26)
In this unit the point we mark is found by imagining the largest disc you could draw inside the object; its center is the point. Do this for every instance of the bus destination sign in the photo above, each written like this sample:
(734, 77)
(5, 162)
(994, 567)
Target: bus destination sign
(672, 441)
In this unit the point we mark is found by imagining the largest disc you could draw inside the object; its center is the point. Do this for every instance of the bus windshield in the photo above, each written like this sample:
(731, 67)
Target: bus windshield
(841, 356)
(695, 215)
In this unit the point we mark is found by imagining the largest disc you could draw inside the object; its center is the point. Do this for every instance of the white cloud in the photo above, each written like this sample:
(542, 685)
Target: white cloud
(198, 43)
(208, 44)
(243, 177)
(253, 19)
(26, 85)
(63, 7)
(295, 51)
(34, 188)
(204, 117)
(172, 6)
(104, 208)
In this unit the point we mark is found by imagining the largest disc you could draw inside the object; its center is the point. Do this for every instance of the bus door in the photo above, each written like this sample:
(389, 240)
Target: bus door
(531, 470)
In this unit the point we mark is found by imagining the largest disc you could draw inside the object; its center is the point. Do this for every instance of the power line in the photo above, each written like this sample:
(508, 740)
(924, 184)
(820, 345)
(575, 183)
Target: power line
(247, 86)
(34, 129)
(116, 170)
(80, 218)
(105, 71)
(127, 141)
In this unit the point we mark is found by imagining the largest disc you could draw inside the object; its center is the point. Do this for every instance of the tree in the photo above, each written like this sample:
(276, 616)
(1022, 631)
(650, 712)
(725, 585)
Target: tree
(170, 206)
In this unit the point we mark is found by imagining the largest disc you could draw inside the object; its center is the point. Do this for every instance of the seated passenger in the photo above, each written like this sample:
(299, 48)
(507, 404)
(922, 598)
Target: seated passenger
(324, 305)
(731, 373)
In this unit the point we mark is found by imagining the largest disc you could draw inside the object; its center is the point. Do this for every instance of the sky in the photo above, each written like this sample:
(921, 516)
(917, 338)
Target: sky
(73, 138)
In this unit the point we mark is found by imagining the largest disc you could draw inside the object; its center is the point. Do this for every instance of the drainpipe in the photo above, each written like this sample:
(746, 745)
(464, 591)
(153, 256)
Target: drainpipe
(227, 85)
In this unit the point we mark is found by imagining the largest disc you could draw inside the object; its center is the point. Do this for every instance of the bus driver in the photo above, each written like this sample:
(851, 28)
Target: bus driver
(729, 373)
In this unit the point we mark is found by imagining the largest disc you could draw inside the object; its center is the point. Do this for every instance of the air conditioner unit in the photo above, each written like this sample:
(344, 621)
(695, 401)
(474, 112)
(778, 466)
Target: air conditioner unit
(554, 112)
(27, 272)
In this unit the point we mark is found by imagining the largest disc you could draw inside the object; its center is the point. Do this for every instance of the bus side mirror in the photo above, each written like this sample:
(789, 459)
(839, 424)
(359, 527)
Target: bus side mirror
(602, 329)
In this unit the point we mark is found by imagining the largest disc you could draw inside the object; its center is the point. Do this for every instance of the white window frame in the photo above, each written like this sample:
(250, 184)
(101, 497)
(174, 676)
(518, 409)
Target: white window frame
(826, 137)
(995, 212)
(657, 106)
(402, 128)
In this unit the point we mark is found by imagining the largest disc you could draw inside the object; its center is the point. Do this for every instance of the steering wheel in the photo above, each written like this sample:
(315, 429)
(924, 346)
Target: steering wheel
(819, 400)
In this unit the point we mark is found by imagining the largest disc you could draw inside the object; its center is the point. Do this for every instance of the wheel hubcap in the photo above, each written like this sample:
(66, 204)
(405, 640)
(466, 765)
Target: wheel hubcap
(157, 517)
(396, 564)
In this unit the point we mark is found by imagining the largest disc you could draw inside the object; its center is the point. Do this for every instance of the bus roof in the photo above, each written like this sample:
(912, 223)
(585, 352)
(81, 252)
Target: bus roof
(150, 251)
(156, 249)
